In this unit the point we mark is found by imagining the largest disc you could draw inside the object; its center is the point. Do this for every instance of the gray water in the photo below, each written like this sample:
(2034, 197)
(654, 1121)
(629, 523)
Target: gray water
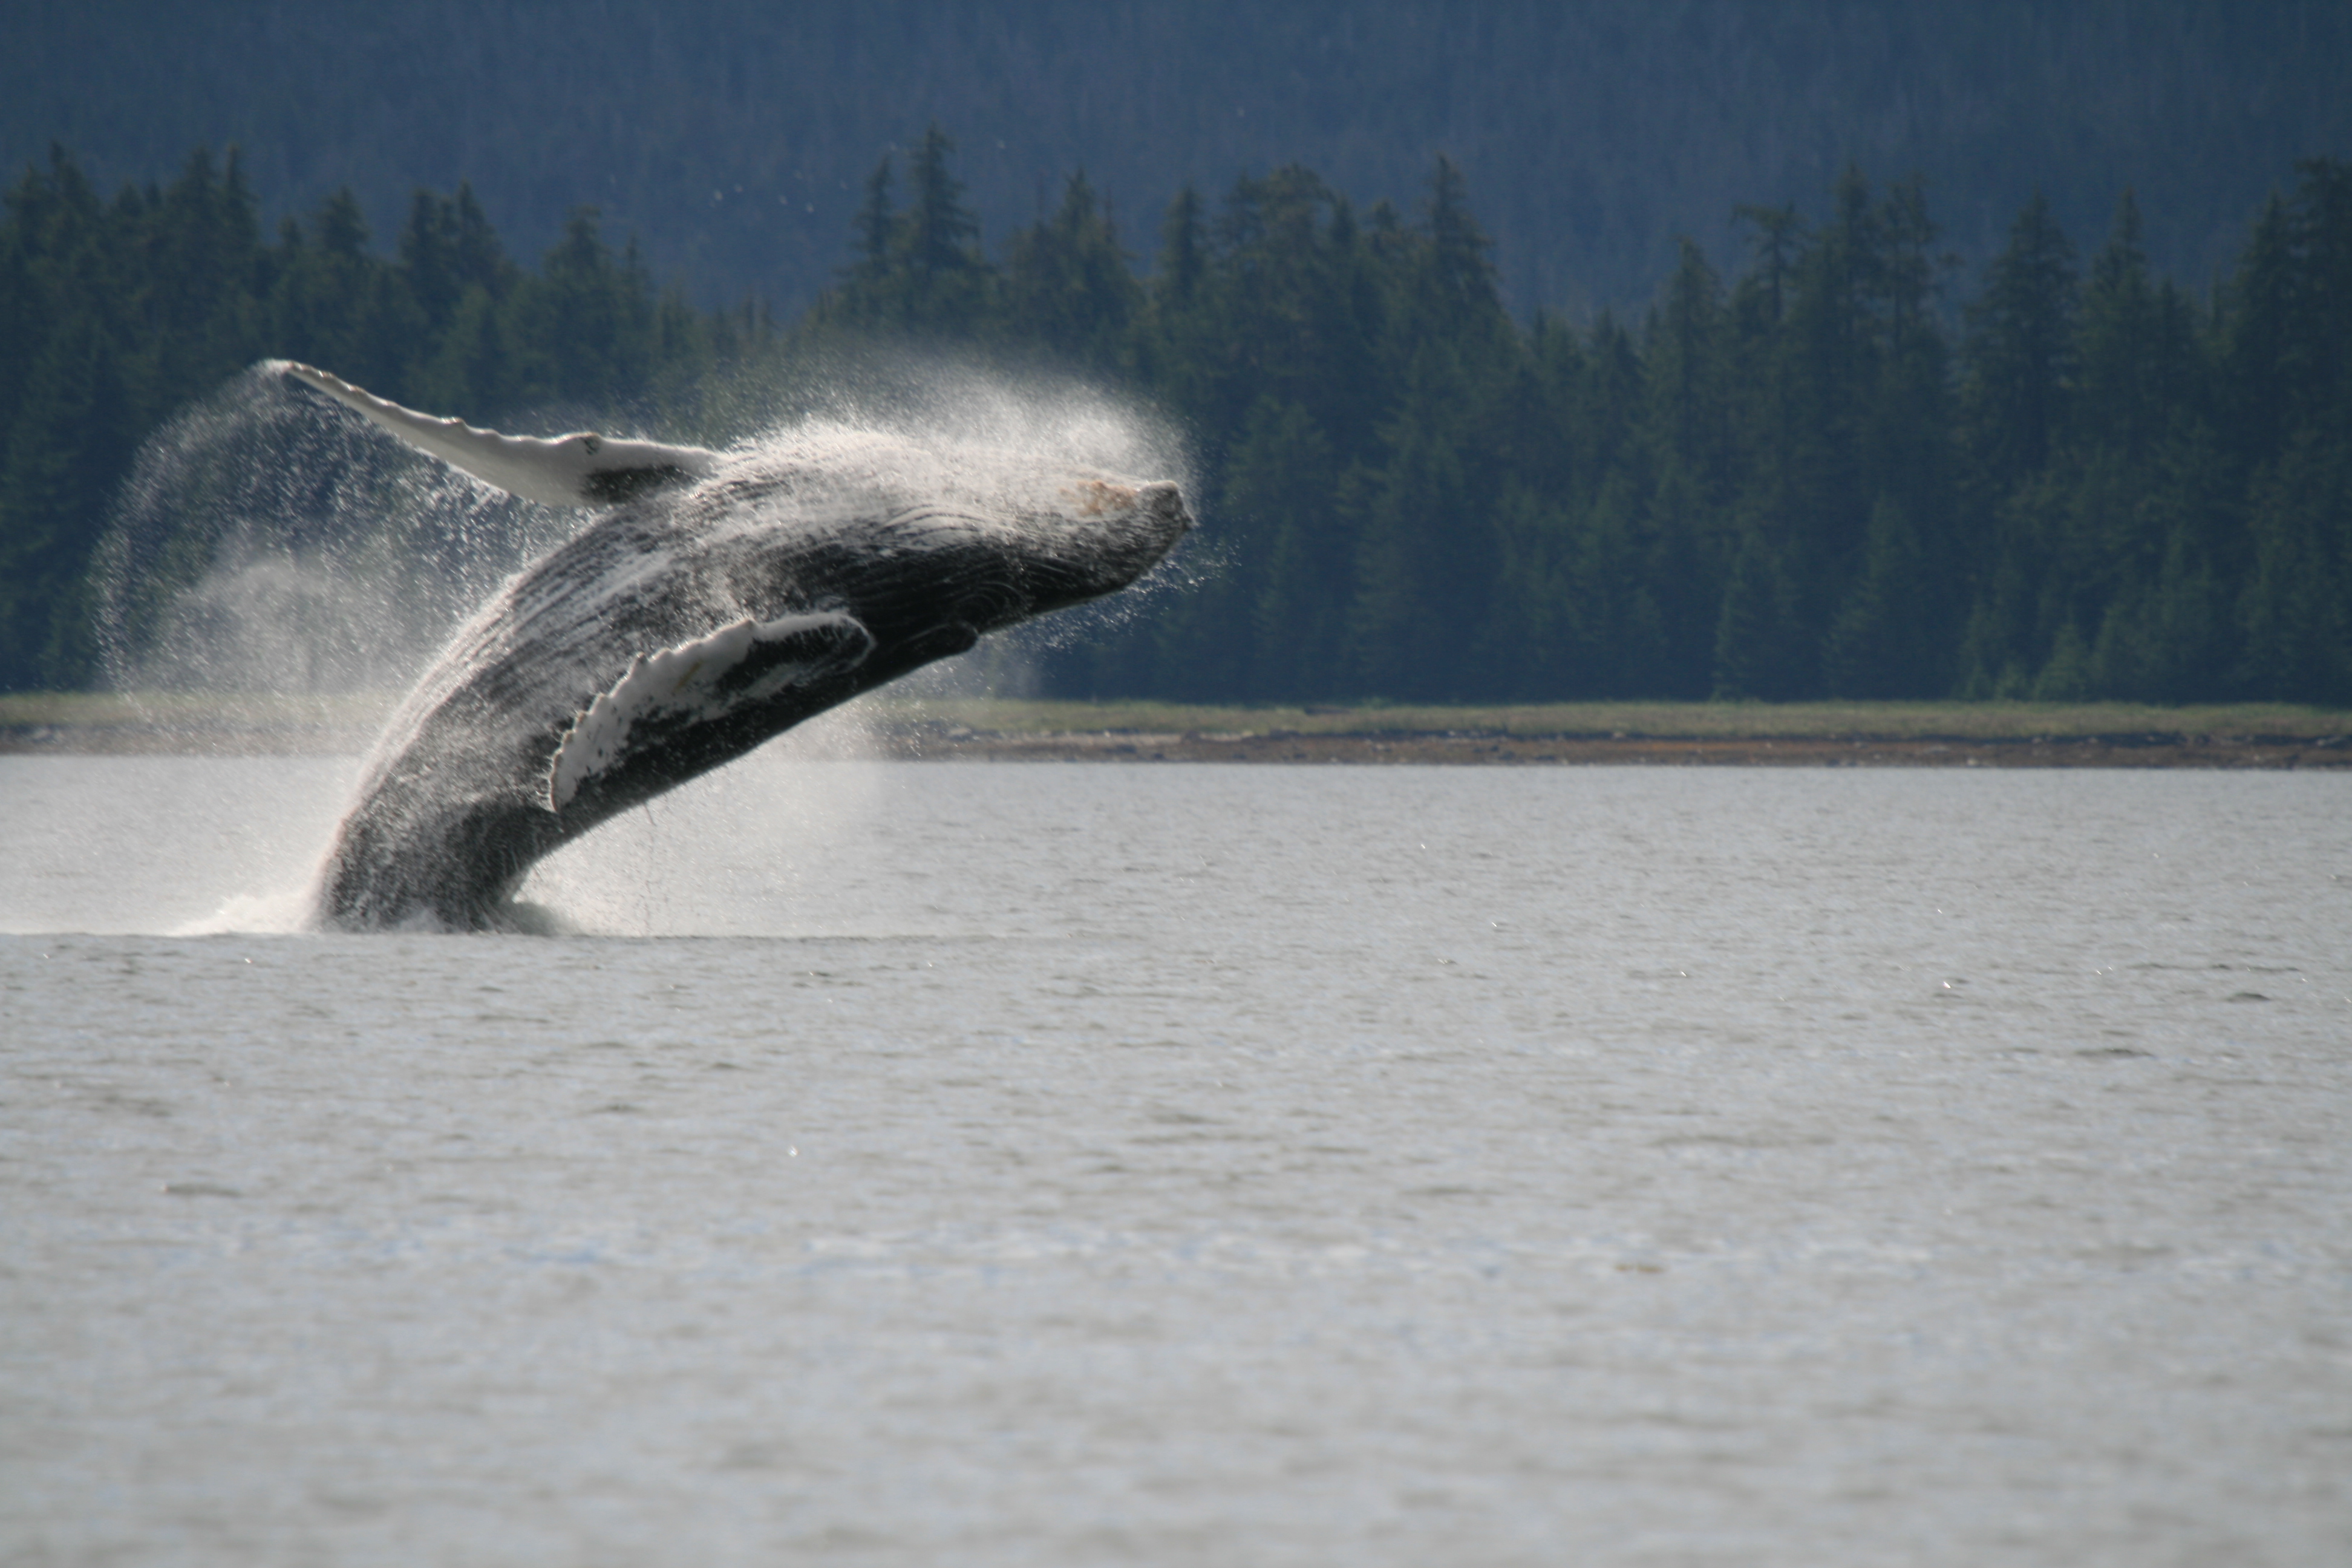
(911, 1163)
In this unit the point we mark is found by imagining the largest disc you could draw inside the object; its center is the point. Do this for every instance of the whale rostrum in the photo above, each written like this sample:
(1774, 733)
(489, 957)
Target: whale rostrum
(719, 599)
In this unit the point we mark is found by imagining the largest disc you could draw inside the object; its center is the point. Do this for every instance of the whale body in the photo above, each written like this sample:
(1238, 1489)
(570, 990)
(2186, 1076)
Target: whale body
(722, 598)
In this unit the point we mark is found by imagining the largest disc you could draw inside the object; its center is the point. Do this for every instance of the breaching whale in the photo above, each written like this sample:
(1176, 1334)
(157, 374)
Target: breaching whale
(723, 597)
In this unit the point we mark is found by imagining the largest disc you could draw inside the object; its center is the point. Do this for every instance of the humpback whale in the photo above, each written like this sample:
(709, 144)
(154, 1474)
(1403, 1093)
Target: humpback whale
(721, 598)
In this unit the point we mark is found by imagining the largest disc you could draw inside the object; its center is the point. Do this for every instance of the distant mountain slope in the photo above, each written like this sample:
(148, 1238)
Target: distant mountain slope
(733, 134)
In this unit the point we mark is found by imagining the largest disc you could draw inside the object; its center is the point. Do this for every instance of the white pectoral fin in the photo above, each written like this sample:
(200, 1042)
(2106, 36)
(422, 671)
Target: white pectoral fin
(711, 678)
(564, 470)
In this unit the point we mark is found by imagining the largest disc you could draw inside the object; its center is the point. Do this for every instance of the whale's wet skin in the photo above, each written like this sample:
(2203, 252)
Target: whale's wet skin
(725, 598)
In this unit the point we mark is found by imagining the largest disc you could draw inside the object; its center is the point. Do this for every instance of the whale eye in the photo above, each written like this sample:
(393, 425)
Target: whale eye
(590, 445)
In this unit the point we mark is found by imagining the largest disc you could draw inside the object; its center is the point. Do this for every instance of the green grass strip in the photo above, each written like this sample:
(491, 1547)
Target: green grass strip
(1640, 720)
(1629, 720)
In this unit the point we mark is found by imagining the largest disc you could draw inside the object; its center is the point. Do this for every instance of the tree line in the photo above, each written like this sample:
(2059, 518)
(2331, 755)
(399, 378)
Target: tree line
(116, 312)
(1842, 471)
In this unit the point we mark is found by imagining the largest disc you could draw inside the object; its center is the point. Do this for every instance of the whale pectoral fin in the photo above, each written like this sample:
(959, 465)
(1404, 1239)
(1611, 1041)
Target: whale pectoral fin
(579, 469)
(705, 683)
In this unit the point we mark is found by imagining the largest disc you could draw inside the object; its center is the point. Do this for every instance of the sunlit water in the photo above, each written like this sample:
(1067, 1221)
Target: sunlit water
(1067, 1166)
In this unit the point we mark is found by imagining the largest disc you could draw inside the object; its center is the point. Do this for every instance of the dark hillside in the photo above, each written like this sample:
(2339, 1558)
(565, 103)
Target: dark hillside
(732, 135)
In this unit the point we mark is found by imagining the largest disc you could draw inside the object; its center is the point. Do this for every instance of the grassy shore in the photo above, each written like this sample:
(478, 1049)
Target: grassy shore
(1565, 732)
(241, 724)
(1641, 720)
(96, 710)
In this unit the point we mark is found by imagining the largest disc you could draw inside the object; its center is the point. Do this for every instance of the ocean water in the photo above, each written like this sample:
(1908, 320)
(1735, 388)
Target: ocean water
(921, 1164)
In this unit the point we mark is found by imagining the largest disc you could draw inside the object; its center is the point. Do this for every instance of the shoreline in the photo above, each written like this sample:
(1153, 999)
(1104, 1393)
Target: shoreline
(1506, 749)
(2266, 737)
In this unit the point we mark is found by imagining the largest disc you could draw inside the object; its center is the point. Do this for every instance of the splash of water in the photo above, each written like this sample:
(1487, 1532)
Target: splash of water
(260, 550)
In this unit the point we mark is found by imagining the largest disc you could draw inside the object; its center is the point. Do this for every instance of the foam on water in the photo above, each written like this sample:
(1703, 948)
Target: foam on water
(284, 912)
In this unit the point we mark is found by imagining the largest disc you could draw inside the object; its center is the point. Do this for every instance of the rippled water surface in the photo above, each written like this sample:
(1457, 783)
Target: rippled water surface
(1056, 1164)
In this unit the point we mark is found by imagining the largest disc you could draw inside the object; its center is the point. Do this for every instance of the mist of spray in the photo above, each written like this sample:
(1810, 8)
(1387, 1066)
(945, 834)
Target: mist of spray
(262, 549)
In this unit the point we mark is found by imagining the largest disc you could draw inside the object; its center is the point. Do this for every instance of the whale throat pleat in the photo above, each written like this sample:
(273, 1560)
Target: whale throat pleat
(705, 682)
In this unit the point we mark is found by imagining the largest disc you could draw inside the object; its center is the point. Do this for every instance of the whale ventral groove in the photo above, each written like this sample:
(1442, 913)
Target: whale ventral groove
(717, 600)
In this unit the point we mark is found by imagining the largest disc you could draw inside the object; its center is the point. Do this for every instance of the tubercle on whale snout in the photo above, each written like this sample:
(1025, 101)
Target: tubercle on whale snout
(1096, 554)
(987, 574)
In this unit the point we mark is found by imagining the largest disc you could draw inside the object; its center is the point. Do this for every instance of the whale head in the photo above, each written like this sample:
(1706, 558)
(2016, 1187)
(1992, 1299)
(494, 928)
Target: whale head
(1101, 535)
(931, 547)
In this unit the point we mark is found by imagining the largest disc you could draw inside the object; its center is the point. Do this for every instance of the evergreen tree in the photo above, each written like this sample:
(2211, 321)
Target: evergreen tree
(64, 457)
(590, 321)
(1427, 567)
(2298, 601)
(2019, 369)
(1760, 648)
(939, 241)
(2257, 342)
(2021, 348)
(1069, 288)
(196, 309)
(1689, 414)
(1883, 642)
(1280, 485)
(2138, 363)
(1183, 254)
(864, 298)
(1168, 350)
(2319, 365)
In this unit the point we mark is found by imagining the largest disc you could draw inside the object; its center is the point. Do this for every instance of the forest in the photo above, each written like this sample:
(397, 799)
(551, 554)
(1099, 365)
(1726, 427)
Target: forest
(1829, 466)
